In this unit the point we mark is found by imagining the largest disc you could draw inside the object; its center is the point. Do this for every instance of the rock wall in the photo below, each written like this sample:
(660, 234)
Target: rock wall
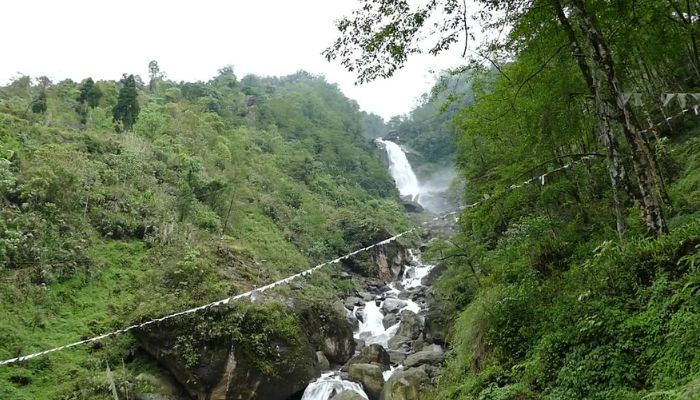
(250, 351)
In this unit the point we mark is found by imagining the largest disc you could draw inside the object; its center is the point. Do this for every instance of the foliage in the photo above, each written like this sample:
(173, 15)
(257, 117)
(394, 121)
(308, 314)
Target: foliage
(210, 193)
(126, 111)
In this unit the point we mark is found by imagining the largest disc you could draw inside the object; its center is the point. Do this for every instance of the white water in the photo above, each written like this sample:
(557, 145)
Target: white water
(372, 328)
(328, 385)
(401, 171)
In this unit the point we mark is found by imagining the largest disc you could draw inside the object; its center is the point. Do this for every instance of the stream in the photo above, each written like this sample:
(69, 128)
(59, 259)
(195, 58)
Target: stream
(372, 315)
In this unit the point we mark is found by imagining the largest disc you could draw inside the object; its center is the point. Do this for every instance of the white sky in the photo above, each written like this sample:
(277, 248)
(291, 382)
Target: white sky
(191, 40)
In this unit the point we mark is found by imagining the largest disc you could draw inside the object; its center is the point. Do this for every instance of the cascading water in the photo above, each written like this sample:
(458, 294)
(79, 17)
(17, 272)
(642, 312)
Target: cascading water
(328, 385)
(371, 330)
(401, 171)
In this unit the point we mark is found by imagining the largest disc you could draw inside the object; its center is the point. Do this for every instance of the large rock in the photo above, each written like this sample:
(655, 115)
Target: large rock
(348, 395)
(349, 316)
(322, 361)
(425, 357)
(437, 324)
(405, 385)
(412, 206)
(385, 262)
(352, 301)
(398, 342)
(397, 356)
(372, 354)
(392, 306)
(390, 320)
(370, 376)
(265, 350)
(410, 326)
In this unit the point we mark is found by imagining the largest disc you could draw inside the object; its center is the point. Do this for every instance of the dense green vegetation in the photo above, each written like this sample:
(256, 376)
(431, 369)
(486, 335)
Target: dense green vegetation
(587, 286)
(428, 131)
(120, 202)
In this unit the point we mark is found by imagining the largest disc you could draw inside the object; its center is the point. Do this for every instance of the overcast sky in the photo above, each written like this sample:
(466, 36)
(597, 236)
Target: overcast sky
(191, 40)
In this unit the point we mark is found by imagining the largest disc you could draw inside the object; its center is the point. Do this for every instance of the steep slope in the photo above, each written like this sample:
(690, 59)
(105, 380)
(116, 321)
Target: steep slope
(219, 187)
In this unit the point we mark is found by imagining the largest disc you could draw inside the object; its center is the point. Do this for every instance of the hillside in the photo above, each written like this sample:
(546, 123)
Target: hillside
(218, 187)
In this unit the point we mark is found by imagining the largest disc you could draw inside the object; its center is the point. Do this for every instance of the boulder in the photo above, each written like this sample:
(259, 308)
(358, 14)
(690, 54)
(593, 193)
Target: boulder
(405, 385)
(338, 348)
(352, 301)
(437, 325)
(323, 363)
(397, 356)
(207, 366)
(370, 376)
(412, 206)
(410, 326)
(390, 320)
(372, 354)
(434, 273)
(433, 347)
(398, 342)
(348, 395)
(349, 316)
(425, 357)
(392, 306)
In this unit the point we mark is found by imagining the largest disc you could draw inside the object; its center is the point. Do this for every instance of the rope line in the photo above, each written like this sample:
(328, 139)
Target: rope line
(542, 179)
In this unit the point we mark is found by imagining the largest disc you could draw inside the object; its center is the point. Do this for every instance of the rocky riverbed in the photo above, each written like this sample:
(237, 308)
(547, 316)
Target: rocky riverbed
(399, 342)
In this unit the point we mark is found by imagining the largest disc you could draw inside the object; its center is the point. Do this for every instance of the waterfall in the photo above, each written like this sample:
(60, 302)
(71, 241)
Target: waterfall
(401, 171)
(329, 385)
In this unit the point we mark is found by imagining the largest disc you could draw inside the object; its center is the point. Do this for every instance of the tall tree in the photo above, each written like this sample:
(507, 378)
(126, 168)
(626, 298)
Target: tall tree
(89, 94)
(380, 36)
(126, 111)
(39, 104)
(154, 74)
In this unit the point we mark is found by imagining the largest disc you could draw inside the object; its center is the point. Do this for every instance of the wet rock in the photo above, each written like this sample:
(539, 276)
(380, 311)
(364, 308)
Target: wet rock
(412, 206)
(338, 347)
(425, 357)
(433, 347)
(397, 356)
(392, 305)
(398, 342)
(348, 395)
(365, 296)
(390, 320)
(405, 385)
(370, 376)
(359, 345)
(359, 314)
(434, 273)
(410, 326)
(352, 301)
(437, 325)
(340, 308)
(372, 354)
(323, 363)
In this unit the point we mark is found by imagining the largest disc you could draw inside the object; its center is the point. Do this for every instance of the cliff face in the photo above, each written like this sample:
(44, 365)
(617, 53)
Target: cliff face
(250, 351)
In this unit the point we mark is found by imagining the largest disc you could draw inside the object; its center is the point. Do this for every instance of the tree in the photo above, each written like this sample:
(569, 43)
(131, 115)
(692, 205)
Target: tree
(89, 93)
(154, 74)
(380, 36)
(126, 111)
(39, 103)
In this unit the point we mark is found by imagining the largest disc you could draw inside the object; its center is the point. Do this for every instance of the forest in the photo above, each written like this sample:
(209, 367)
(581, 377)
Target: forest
(584, 284)
(572, 128)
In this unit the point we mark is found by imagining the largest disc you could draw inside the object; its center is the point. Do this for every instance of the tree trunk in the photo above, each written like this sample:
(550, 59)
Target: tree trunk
(616, 168)
(643, 161)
